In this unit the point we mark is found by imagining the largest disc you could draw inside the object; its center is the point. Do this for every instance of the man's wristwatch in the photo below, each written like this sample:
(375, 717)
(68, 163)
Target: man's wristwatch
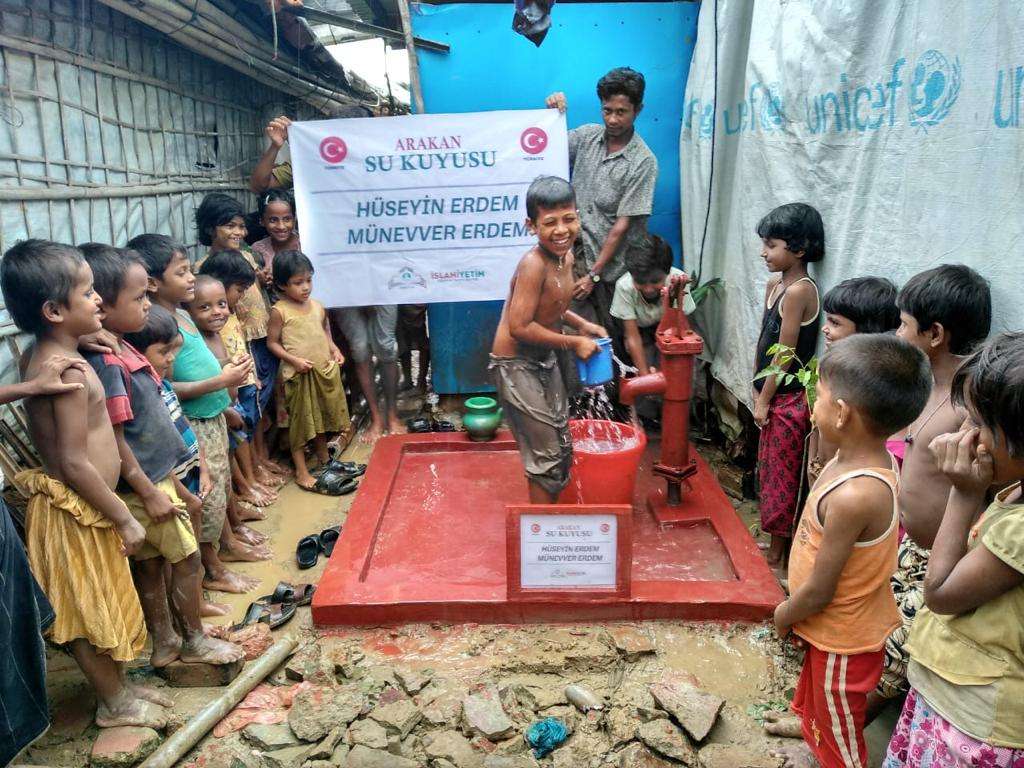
(594, 276)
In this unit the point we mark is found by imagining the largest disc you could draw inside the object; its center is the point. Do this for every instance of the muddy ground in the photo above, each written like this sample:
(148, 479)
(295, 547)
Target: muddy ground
(405, 688)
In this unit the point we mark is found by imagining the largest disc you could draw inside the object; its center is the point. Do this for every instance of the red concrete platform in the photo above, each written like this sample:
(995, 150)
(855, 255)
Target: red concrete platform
(425, 540)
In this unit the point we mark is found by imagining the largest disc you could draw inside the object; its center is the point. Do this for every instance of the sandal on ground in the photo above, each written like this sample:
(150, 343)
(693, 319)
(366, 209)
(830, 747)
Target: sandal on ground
(441, 425)
(299, 594)
(331, 483)
(418, 425)
(252, 616)
(307, 552)
(328, 537)
(350, 468)
(273, 614)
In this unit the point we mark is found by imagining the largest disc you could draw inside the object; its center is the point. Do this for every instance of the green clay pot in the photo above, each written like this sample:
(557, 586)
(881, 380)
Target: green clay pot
(482, 418)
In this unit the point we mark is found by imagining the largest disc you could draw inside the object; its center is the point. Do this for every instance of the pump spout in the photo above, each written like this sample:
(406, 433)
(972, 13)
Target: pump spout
(651, 384)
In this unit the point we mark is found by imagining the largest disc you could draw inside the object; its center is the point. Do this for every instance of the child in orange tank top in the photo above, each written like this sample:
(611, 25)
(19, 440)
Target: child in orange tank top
(841, 604)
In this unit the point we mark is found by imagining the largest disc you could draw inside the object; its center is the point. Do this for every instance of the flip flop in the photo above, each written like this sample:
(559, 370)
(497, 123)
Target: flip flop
(331, 483)
(442, 425)
(347, 468)
(418, 425)
(328, 537)
(299, 594)
(307, 551)
(351, 468)
(274, 614)
(252, 616)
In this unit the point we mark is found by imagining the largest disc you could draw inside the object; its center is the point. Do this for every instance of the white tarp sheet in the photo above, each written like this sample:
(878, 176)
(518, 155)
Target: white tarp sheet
(900, 121)
(420, 208)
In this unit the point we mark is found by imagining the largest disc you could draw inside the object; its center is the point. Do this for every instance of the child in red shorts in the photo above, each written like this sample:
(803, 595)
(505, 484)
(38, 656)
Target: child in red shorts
(841, 604)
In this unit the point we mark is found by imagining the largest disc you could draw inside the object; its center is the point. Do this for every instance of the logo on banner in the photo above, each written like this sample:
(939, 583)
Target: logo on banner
(459, 276)
(605, 527)
(934, 88)
(333, 149)
(533, 141)
(535, 528)
(406, 277)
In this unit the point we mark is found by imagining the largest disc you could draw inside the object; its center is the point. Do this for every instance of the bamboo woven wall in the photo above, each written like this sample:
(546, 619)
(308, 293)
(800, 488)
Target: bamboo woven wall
(108, 129)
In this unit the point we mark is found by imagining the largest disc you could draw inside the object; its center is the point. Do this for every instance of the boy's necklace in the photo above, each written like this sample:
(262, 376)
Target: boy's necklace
(912, 433)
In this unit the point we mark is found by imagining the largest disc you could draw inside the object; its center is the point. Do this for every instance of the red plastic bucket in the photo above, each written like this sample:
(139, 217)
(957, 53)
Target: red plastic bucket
(606, 456)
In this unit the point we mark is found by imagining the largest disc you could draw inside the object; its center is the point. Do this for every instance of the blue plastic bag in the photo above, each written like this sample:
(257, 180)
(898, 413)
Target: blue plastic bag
(545, 735)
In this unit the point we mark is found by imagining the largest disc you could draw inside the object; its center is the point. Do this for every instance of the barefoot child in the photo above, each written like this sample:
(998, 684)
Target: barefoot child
(160, 340)
(220, 223)
(211, 417)
(300, 336)
(25, 613)
(966, 704)
(235, 273)
(150, 447)
(844, 552)
(78, 531)
(857, 305)
(200, 383)
(945, 312)
(792, 237)
(523, 357)
(277, 215)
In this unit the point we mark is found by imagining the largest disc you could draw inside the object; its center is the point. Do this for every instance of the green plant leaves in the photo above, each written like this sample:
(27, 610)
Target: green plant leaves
(783, 357)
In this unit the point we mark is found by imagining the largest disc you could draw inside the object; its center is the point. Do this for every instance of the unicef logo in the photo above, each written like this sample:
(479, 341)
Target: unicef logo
(533, 141)
(934, 88)
(333, 149)
(771, 108)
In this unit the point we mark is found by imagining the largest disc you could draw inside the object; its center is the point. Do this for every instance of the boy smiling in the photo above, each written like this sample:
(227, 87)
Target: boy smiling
(523, 357)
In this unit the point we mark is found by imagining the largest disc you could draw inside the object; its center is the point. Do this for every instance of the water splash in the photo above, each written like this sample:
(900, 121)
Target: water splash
(606, 444)
(624, 368)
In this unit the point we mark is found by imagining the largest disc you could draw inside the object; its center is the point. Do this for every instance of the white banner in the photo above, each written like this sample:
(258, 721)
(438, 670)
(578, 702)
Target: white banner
(900, 121)
(420, 208)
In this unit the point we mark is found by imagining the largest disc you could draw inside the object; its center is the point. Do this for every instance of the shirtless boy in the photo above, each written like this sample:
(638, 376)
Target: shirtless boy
(150, 447)
(78, 531)
(524, 354)
(944, 312)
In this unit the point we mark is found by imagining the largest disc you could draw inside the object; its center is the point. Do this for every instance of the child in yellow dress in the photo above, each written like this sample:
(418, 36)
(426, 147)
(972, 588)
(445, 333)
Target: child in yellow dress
(300, 336)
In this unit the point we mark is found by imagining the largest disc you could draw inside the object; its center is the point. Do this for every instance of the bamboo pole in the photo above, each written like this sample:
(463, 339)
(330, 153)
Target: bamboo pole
(414, 64)
(84, 62)
(24, 194)
(168, 753)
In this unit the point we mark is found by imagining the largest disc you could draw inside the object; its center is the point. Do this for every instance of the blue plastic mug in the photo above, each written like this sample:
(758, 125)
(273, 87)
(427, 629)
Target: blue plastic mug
(597, 369)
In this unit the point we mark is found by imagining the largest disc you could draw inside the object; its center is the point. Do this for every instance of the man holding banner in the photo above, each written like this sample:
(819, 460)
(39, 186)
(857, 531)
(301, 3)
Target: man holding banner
(370, 331)
(614, 173)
